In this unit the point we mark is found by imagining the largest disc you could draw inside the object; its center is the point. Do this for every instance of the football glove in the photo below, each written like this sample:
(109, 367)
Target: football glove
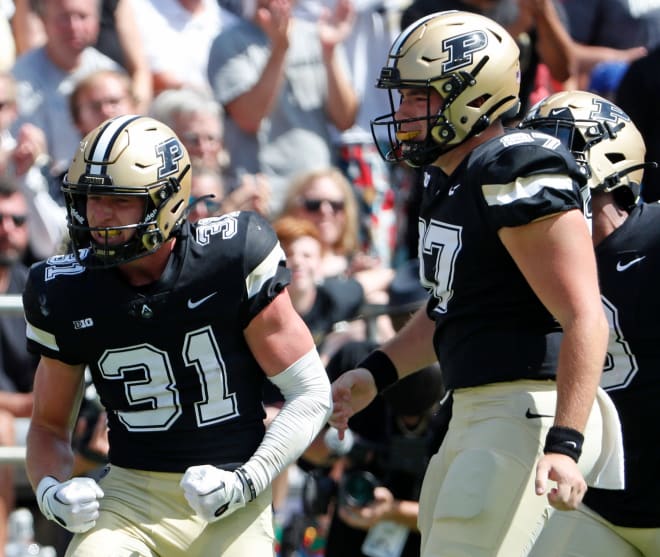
(73, 504)
(213, 493)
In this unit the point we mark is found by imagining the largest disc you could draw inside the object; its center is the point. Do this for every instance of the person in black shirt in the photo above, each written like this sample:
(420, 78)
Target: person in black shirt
(393, 439)
(636, 95)
(514, 318)
(180, 325)
(626, 235)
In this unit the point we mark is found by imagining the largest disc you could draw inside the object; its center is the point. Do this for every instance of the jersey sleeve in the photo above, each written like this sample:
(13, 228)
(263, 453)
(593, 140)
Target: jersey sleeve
(40, 324)
(527, 176)
(264, 266)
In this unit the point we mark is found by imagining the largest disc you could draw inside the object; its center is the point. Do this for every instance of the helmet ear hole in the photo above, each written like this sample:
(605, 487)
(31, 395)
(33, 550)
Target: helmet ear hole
(615, 157)
(625, 198)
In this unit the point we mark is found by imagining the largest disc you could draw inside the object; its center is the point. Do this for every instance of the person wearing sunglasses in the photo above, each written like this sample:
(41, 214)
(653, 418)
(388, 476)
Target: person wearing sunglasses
(326, 198)
(17, 365)
(24, 158)
(198, 120)
(626, 236)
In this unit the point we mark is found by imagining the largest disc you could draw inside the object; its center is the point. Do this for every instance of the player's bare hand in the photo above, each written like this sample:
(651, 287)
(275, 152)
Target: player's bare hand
(351, 392)
(570, 485)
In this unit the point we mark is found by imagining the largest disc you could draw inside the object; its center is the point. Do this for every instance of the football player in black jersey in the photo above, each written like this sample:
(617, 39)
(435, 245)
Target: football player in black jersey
(515, 317)
(179, 324)
(626, 234)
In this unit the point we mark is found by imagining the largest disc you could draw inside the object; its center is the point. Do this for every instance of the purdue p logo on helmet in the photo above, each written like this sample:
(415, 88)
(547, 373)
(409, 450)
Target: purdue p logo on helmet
(470, 61)
(603, 139)
(128, 156)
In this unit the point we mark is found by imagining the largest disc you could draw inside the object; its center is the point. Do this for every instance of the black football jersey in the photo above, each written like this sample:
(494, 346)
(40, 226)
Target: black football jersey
(490, 326)
(629, 271)
(169, 361)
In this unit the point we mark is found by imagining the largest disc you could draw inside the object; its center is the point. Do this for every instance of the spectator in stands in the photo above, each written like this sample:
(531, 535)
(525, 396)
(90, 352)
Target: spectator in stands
(392, 439)
(99, 96)
(610, 31)
(380, 200)
(282, 81)
(323, 304)
(46, 75)
(118, 38)
(23, 158)
(17, 365)
(198, 119)
(177, 36)
(636, 95)
(325, 197)
(326, 307)
(206, 192)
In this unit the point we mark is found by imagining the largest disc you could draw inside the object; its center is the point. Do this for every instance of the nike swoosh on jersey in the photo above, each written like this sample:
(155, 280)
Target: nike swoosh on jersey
(453, 189)
(623, 266)
(192, 304)
(531, 415)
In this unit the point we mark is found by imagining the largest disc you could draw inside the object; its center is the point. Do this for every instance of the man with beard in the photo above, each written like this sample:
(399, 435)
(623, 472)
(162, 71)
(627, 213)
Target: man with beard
(17, 365)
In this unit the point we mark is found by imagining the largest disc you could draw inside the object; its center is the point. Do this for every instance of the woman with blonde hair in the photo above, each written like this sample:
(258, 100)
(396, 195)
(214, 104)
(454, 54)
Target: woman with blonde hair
(326, 198)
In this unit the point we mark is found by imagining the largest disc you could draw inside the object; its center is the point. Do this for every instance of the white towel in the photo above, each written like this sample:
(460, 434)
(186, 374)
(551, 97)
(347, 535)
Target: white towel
(608, 471)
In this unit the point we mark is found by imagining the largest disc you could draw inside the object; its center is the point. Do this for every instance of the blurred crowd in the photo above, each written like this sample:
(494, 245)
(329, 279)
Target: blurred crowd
(273, 100)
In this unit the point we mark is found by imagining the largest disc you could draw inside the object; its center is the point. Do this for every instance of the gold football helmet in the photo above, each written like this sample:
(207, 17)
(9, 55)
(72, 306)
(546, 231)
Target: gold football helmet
(470, 60)
(603, 139)
(128, 156)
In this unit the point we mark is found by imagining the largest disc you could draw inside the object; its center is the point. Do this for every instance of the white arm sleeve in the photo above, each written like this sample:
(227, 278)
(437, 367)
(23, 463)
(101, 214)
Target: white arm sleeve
(307, 407)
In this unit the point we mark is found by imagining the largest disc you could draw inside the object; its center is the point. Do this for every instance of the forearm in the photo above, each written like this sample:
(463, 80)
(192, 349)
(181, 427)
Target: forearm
(579, 372)
(250, 108)
(342, 102)
(588, 56)
(554, 44)
(18, 405)
(47, 455)
(404, 512)
(134, 54)
(411, 348)
(27, 27)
